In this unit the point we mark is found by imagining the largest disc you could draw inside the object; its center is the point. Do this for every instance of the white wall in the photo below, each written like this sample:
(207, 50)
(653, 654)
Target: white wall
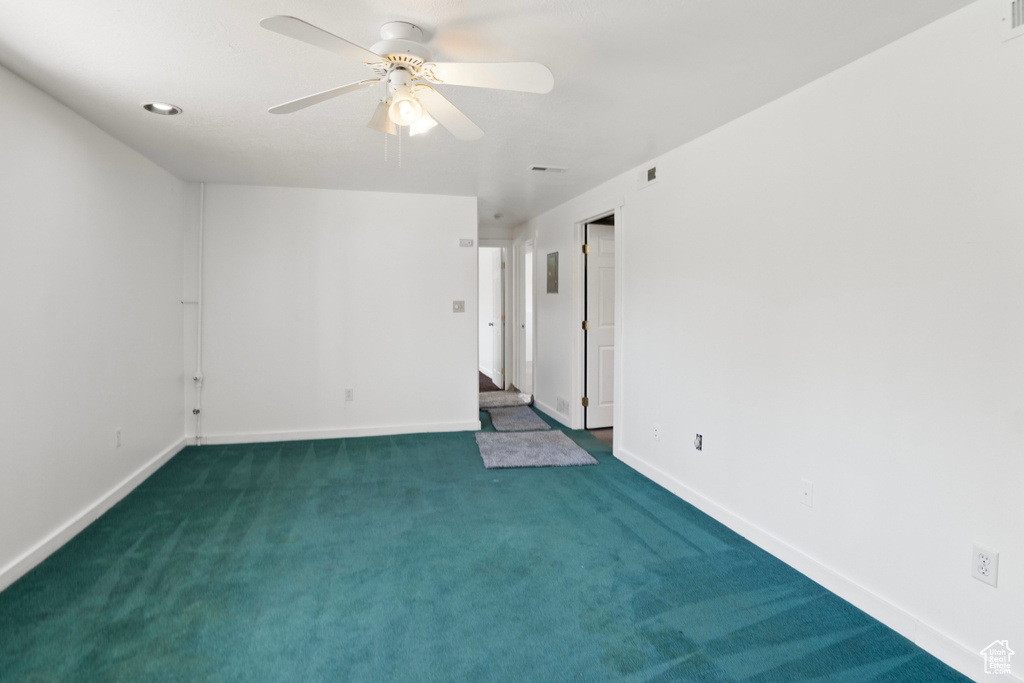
(831, 289)
(310, 292)
(90, 288)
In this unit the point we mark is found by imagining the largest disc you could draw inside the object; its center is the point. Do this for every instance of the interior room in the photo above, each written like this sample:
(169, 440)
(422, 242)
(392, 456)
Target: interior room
(219, 249)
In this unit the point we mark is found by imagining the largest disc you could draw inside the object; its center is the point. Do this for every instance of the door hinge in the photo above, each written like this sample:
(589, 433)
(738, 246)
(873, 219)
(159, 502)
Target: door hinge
(586, 402)
(503, 265)
(586, 248)
(586, 324)
(502, 320)
(503, 371)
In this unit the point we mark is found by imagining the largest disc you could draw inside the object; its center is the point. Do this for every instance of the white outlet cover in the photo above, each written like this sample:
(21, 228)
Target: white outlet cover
(807, 492)
(985, 565)
(657, 433)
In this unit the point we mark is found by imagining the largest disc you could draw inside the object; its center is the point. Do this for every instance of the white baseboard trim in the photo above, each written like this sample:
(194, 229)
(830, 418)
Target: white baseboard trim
(552, 413)
(35, 555)
(339, 433)
(945, 648)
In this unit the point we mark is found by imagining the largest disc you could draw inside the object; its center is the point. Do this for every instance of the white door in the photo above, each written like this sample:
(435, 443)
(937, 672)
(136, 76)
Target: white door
(601, 325)
(498, 321)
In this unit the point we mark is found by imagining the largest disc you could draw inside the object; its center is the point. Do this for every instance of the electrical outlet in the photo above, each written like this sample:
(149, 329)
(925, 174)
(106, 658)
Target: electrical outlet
(117, 438)
(349, 395)
(698, 442)
(807, 492)
(985, 565)
(656, 433)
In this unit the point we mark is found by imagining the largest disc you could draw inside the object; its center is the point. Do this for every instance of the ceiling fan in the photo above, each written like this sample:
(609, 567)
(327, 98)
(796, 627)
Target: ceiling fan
(401, 66)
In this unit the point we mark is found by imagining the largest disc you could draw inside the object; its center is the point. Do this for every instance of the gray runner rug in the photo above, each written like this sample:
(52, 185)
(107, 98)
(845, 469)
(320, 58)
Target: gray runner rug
(521, 419)
(503, 399)
(530, 449)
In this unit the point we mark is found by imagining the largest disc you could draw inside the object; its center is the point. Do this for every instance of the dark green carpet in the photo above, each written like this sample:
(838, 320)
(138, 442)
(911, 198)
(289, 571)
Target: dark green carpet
(402, 558)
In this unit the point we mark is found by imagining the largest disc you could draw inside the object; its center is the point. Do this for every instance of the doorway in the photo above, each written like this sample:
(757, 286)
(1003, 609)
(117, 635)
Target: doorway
(524, 374)
(491, 317)
(599, 324)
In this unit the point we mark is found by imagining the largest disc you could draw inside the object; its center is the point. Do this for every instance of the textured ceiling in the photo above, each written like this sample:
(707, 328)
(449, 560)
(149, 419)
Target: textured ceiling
(632, 80)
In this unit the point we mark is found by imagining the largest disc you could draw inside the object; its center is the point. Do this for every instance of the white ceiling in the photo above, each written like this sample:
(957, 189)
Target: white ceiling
(632, 80)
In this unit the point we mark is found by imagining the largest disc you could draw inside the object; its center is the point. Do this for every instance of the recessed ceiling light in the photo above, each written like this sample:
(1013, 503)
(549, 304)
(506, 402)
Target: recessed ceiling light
(161, 108)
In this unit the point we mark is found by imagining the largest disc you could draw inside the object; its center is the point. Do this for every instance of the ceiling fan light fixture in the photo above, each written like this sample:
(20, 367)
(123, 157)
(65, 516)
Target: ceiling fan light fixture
(405, 109)
(401, 63)
(381, 121)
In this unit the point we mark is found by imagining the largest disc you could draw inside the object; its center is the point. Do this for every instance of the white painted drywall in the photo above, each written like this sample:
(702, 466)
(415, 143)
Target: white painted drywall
(308, 292)
(485, 294)
(190, 310)
(831, 288)
(90, 289)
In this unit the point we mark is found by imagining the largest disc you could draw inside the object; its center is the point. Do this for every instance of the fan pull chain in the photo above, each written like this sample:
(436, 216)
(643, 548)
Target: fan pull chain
(400, 147)
(385, 148)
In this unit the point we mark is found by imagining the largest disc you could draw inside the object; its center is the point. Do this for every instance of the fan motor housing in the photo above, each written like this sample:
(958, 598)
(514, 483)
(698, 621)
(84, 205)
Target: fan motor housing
(400, 43)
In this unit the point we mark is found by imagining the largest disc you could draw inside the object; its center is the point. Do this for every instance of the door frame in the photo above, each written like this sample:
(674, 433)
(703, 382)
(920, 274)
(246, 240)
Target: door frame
(519, 309)
(577, 414)
(506, 303)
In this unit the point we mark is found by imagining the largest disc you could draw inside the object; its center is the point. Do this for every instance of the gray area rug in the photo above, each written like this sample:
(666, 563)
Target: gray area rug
(519, 419)
(530, 449)
(503, 399)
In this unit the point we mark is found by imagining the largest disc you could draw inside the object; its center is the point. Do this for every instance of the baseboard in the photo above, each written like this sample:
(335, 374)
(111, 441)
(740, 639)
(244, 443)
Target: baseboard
(28, 560)
(552, 413)
(942, 646)
(340, 433)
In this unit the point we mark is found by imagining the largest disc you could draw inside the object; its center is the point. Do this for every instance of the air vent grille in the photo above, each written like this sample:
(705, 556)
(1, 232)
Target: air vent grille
(559, 169)
(646, 176)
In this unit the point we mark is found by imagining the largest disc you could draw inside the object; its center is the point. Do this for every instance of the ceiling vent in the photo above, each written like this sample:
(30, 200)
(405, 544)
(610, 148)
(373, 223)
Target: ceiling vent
(560, 169)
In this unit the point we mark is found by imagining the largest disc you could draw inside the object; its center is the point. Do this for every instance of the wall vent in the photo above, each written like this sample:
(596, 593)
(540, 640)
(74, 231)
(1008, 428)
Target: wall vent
(1013, 19)
(649, 176)
(559, 169)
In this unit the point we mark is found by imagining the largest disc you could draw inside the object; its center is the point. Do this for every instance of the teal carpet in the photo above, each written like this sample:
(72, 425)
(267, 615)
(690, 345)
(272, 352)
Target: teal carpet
(402, 558)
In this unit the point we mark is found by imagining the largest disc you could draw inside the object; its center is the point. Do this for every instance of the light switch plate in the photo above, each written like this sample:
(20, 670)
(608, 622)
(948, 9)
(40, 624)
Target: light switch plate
(807, 492)
(465, 242)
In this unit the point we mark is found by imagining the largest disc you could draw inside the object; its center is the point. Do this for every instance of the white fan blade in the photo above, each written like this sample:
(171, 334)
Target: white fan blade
(521, 76)
(381, 121)
(307, 33)
(310, 100)
(445, 113)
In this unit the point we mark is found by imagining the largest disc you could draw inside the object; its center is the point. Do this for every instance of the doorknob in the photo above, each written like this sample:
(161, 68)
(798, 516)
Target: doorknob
(490, 324)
